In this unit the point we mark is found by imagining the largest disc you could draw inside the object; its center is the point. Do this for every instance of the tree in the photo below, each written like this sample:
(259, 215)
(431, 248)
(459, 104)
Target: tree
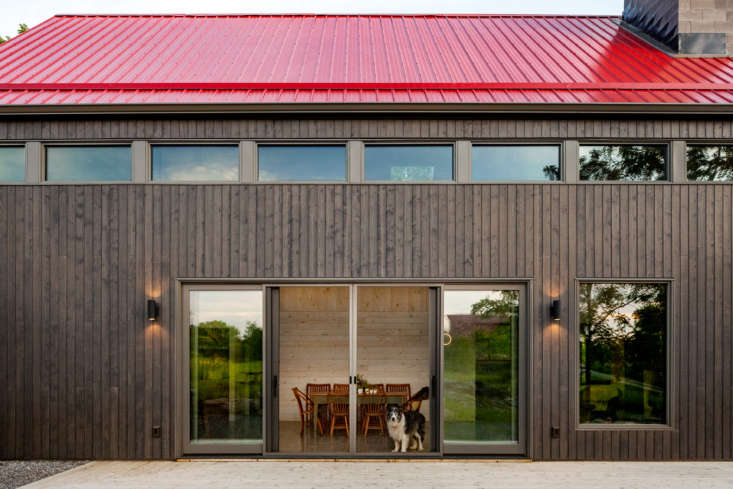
(21, 29)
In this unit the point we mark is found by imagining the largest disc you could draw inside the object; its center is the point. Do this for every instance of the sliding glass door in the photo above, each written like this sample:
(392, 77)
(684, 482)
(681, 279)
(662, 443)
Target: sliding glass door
(224, 373)
(338, 356)
(484, 368)
(311, 370)
(310, 379)
(396, 360)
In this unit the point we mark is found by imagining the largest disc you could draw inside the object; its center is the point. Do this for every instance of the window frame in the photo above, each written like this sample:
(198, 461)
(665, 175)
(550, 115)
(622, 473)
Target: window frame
(182, 375)
(44, 162)
(668, 178)
(561, 161)
(21, 144)
(525, 372)
(431, 142)
(671, 376)
(304, 142)
(191, 142)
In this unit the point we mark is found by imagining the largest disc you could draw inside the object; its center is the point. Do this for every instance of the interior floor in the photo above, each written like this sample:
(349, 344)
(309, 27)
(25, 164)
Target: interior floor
(311, 442)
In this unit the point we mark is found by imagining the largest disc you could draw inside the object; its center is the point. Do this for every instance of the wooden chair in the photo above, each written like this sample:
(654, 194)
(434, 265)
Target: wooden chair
(374, 410)
(339, 410)
(319, 389)
(399, 389)
(415, 402)
(305, 406)
(340, 389)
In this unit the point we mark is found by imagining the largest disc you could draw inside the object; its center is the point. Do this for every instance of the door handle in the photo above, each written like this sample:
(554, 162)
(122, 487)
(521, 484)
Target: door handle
(433, 384)
(274, 386)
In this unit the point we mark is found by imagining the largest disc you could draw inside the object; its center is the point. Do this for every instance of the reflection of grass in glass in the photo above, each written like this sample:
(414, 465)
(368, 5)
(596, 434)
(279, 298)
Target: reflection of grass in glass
(227, 380)
(478, 386)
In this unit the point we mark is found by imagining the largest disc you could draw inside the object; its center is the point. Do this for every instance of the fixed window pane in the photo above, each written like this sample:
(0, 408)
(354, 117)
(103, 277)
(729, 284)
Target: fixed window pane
(12, 163)
(226, 365)
(710, 163)
(408, 163)
(196, 163)
(88, 163)
(623, 162)
(515, 163)
(301, 163)
(481, 366)
(623, 353)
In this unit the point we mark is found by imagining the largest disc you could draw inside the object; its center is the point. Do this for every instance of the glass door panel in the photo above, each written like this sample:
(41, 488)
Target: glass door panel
(225, 370)
(481, 348)
(393, 365)
(313, 370)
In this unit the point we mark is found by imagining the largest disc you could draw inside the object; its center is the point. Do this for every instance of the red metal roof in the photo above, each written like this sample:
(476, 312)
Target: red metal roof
(304, 58)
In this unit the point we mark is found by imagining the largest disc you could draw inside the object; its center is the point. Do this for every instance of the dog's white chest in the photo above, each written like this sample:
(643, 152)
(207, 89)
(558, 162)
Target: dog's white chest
(396, 430)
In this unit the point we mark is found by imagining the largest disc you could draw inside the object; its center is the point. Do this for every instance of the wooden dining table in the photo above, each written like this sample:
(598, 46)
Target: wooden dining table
(322, 398)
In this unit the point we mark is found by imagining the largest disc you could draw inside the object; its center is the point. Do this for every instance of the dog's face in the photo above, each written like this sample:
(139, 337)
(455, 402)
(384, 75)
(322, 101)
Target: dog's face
(394, 413)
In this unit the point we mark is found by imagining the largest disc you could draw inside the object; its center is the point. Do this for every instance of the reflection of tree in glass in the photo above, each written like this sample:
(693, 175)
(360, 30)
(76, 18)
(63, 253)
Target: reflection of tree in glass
(219, 336)
(505, 306)
(552, 172)
(622, 162)
(710, 163)
(623, 329)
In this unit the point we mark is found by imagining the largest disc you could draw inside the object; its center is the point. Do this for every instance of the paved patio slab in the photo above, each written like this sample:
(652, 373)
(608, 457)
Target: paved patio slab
(372, 474)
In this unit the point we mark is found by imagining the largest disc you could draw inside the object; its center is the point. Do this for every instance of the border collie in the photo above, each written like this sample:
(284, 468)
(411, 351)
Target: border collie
(405, 427)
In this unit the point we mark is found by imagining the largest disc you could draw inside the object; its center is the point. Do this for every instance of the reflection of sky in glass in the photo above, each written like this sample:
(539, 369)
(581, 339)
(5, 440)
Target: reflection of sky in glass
(88, 163)
(512, 163)
(301, 163)
(234, 307)
(408, 163)
(12, 163)
(196, 163)
(460, 302)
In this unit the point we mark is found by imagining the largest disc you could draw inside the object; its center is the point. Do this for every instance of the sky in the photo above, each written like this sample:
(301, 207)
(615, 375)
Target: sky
(33, 12)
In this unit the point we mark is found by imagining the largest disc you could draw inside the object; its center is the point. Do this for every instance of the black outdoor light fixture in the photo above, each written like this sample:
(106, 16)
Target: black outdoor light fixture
(555, 310)
(152, 310)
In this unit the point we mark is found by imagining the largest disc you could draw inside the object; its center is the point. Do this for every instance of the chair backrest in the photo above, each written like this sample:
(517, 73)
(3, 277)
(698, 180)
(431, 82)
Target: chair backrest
(300, 397)
(317, 388)
(375, 408)
(338, 407)
(340, 389)
(399, 389)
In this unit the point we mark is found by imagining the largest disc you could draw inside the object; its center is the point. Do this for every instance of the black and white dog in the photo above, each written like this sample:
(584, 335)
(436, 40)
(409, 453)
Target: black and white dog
(405, 428)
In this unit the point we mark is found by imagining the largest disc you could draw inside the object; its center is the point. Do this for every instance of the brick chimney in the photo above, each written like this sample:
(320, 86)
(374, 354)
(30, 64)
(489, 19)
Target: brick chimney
(687, 27)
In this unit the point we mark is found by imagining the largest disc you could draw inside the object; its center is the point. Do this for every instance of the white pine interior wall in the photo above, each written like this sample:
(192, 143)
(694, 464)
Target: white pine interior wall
(392, 343)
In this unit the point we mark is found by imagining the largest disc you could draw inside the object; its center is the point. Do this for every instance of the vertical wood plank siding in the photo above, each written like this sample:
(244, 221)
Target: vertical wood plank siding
(84, 374)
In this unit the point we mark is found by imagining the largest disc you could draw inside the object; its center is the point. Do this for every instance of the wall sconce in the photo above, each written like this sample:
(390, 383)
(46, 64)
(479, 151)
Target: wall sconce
(555, 310)
(152, 310)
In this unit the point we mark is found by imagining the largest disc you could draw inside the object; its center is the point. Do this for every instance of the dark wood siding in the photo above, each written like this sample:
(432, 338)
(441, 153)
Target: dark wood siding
(388, 128)
(85, 376)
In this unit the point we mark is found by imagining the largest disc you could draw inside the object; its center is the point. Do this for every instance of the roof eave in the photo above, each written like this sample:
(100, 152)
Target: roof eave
(370, 108)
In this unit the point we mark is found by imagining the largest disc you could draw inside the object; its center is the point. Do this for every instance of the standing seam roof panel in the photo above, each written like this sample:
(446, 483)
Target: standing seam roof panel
(404, 58)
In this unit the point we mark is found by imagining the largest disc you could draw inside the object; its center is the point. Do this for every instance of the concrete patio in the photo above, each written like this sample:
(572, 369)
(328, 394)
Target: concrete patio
(371, 474)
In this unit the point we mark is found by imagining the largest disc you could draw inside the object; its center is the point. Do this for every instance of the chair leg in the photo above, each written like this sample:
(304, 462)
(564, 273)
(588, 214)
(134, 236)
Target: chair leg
(320, 426)
(302, 425)
(346, 420)
(333, 423)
